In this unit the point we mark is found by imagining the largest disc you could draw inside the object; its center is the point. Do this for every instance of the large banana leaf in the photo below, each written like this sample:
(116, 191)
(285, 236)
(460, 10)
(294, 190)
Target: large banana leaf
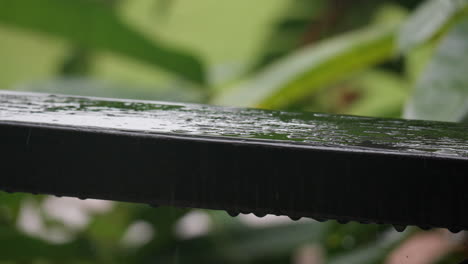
(442, 91)
(311, 68)
(94, 25)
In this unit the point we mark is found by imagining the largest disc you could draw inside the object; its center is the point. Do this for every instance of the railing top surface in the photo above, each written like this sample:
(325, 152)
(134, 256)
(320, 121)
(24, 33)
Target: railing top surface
(285, 129)
(348, 168)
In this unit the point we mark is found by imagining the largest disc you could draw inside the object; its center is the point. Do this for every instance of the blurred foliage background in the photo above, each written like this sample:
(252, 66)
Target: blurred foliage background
(400, 58)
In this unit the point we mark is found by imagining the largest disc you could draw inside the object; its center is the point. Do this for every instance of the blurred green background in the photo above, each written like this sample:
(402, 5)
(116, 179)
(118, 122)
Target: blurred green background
(400, 58)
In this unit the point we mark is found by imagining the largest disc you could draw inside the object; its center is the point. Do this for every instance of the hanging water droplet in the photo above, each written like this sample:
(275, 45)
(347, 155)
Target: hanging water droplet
(342, 221)
(320, 219)
(454, 230)
(260, 214)
(295, 218)
(425, 227)
(399, 228)
(232, 213)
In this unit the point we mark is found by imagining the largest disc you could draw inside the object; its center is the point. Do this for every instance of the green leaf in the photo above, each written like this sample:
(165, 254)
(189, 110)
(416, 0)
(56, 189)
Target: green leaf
(304, 22)
(175, 91)
(163, 219)
(16, 246)
(442, 91)
(375, 252)
(77, 63)
(312, 68)
(382, 94)
(274, 241)
(417, 59)
(10, 206)
(289, 32)
(163, 7)
(427, 21)
(107, 228)
(237, 243)
(93, 25)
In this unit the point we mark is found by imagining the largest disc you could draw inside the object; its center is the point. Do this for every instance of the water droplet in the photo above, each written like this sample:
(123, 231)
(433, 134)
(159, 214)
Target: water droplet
(342, 221)
(425, 227)
(232, 213)
(455, 230)
(399, 228)
(260, 214)
(295, 218)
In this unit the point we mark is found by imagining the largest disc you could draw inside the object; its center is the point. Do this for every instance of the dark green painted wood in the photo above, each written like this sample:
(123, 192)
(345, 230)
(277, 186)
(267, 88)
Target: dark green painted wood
(241, 160)
(350, 133)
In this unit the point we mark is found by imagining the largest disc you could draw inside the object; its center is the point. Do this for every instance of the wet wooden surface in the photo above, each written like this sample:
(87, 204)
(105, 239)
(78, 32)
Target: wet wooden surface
(241, 160)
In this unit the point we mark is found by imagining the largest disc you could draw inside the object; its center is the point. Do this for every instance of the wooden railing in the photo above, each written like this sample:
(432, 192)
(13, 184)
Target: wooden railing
(400, 172)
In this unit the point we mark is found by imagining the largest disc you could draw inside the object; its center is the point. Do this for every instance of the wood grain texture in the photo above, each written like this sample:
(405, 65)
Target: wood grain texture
(402, 172)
